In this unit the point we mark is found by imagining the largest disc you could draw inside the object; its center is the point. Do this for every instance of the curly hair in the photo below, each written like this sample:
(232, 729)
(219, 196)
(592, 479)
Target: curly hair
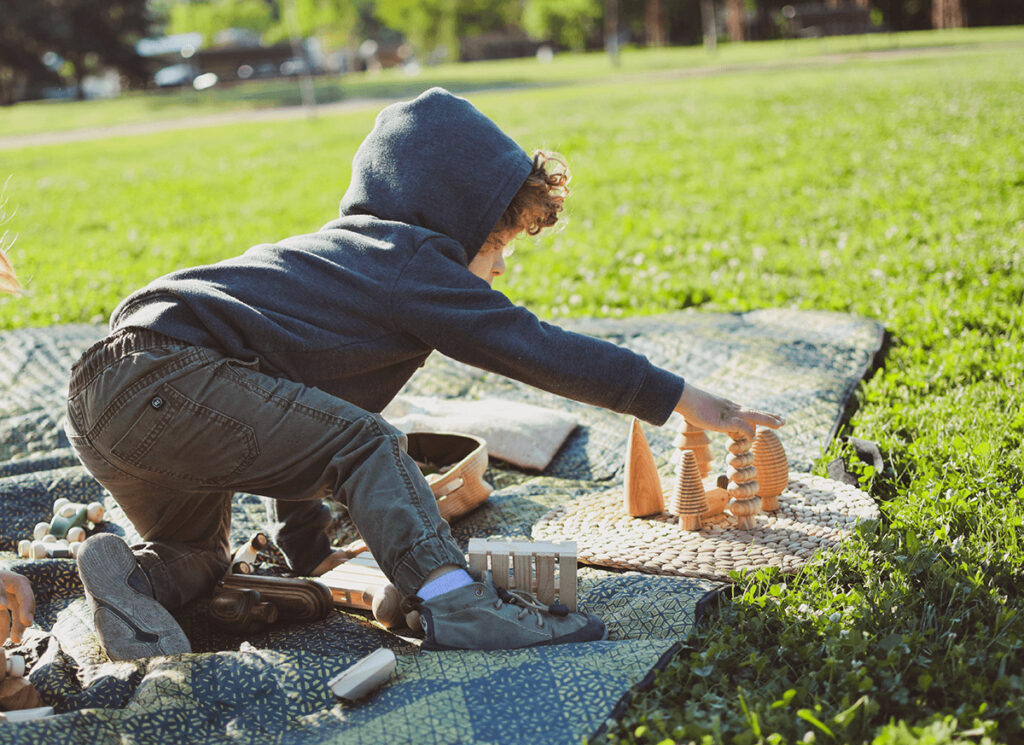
(538, 203)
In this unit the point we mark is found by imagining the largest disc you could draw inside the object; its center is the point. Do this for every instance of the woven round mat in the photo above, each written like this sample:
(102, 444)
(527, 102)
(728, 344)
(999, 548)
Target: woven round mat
(814, 513)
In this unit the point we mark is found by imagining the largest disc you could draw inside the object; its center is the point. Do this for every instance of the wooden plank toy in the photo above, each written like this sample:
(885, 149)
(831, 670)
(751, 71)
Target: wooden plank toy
(545, 569)
(642, 483)
(247, 602)
(361, 584)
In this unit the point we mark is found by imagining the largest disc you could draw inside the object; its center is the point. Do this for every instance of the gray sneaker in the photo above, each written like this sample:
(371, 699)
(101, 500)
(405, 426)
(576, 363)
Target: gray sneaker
(483, 616)
(129, 621)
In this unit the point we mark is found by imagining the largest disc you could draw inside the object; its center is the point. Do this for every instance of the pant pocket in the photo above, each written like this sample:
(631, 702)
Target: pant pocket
(175, 436)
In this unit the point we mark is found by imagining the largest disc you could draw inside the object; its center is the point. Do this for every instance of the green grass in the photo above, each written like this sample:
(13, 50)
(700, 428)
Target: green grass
(29, 117)
(891, 187)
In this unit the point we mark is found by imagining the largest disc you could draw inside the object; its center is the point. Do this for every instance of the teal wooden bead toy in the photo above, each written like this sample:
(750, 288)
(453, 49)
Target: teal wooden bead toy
(70, 520)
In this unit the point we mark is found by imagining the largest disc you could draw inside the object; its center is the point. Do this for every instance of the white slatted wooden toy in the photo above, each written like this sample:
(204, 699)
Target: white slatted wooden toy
(545, 569)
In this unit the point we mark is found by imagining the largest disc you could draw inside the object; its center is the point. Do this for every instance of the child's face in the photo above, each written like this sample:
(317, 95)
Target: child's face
(489, 261)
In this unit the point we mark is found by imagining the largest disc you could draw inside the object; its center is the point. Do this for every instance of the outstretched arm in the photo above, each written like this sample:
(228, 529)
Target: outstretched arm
(708, 411)
(17, 606)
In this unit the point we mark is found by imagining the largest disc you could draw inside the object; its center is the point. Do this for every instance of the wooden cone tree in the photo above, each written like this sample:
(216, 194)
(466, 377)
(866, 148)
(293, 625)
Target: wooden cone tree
(688, 502)
(642, 493)
(772, 468)
(695, 439)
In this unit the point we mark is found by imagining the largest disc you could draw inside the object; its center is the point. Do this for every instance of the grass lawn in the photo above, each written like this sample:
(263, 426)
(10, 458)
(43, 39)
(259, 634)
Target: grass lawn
(890, 186)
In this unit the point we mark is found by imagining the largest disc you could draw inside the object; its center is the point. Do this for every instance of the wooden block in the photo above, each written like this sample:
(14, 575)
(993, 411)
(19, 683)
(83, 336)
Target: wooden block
(18, 693)
(499, 569)
(642, 484)
(567, 579)
(354, 583)
(522, 571)
(546, 578)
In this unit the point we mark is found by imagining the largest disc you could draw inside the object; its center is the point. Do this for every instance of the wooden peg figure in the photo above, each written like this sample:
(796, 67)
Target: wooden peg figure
(694, 439)
(688, 501)
(643, 494)
(744, 502)
(772, 468)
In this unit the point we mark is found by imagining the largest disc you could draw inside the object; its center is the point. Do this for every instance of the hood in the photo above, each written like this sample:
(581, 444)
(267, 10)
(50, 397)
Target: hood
(438, 163)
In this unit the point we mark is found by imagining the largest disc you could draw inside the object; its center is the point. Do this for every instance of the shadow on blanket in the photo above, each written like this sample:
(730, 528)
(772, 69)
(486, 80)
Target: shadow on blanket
(272, 687)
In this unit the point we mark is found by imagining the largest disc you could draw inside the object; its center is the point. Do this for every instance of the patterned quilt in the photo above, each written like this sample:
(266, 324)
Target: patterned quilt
(271, 687)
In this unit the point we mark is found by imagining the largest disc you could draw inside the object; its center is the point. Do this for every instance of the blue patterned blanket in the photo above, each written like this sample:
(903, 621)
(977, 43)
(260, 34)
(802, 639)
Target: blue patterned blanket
(271, 687)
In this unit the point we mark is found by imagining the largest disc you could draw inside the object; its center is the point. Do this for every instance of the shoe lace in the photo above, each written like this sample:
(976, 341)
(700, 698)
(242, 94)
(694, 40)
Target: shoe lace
(528, 604)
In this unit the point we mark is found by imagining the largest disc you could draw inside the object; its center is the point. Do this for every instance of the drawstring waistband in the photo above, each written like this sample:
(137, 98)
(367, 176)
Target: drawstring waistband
(114, 347)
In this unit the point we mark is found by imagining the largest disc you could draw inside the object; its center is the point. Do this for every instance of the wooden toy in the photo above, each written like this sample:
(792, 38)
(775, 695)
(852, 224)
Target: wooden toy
(11, 665)
(70, 520)
(15, 691)
(48, 548)
(360, 583)
(688, 499)
(529, 566)
(716, 492)
(243, 559)
(240, 601)
(772, 468)
(454, 466)
(642, 483)
(364, 677)
(744, 502)
(694, 439)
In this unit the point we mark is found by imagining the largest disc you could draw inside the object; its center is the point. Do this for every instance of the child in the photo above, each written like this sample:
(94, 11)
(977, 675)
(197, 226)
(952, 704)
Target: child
(263, 374)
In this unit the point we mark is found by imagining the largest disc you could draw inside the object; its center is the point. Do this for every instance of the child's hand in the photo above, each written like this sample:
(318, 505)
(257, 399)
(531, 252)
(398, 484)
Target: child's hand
(708, 411)
(17, 605)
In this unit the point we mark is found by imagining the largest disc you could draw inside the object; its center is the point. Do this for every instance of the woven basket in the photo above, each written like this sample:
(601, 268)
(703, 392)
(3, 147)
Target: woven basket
(814, 513)
(454, 466)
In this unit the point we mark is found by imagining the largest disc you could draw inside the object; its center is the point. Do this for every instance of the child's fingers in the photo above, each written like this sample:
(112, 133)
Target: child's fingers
(764, 419)
(25, 600)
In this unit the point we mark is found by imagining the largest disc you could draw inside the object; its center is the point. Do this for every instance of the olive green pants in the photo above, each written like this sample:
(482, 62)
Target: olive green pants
(172, 431)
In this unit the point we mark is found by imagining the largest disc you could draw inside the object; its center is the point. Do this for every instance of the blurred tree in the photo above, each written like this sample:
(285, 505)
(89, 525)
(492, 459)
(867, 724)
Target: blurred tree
(210, 18)
(947, 14)
(274, 20)
(87, 34)
(435, 26)
(570, 23)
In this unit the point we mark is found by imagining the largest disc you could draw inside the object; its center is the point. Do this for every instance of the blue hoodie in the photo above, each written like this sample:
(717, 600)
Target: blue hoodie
(355, 308)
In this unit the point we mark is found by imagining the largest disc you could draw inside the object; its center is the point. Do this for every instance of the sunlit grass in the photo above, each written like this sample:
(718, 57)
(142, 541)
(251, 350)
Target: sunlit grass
(891, 187)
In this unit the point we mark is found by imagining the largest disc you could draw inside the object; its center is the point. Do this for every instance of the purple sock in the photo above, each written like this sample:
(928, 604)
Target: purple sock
(453, 580)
